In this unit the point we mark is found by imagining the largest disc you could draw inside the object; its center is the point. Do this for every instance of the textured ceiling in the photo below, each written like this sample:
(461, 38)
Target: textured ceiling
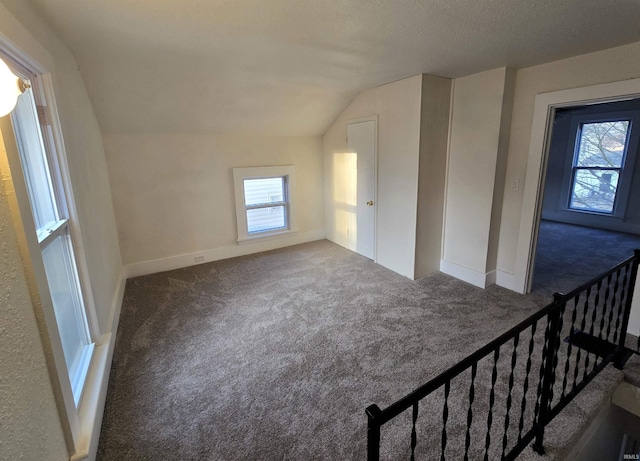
(288, 67)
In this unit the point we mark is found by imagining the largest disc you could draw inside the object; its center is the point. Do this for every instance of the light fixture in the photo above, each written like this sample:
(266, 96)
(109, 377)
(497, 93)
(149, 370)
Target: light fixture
(11, 87)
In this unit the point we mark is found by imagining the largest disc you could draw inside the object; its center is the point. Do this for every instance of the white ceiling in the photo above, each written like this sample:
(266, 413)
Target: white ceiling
(288, 67)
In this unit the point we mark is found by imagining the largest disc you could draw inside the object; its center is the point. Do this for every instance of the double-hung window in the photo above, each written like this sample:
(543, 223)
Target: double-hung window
(264, 201)
(50, 212)
(598, 162)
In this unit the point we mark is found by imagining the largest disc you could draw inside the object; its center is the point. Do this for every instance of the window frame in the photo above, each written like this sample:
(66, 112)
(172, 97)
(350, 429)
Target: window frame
(75, 412)
(625, 175)
(288, 201)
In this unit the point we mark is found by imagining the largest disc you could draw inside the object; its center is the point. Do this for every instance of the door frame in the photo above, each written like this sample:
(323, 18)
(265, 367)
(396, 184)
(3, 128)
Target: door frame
(541, 131)
(374, 119)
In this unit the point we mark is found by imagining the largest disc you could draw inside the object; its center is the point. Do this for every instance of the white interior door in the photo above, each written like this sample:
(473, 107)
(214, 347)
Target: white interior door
(361, 140)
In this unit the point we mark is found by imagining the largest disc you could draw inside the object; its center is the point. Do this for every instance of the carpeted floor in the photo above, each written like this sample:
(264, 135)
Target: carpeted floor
(569, 255)
(276, 356)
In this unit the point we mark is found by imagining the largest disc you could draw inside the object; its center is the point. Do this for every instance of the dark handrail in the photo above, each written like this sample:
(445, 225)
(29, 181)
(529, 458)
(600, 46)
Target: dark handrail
(549, 361)
(405, 403)
(595, 280)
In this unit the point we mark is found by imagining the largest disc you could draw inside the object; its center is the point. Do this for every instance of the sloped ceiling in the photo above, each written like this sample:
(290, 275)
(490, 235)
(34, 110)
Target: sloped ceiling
(288, 67)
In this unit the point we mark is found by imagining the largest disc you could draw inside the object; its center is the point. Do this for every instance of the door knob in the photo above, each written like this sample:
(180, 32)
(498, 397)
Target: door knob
(370, 203)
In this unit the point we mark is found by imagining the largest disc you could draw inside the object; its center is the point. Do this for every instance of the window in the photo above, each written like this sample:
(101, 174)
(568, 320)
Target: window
(264, 205)
(599, 159)
(49, 209)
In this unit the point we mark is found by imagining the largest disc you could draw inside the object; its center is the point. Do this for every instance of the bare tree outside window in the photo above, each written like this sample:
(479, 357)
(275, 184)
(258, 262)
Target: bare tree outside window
(601, 149)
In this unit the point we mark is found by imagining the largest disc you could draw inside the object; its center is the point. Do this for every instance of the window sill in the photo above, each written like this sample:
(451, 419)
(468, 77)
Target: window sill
(595, 213)
(265, 236)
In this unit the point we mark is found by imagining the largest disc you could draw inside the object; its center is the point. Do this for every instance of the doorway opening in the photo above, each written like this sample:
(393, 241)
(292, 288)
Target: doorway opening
(590, 213)
(545, 107)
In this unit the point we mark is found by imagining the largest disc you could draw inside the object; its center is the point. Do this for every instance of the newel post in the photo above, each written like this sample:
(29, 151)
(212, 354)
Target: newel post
(373, 432)
(549, 378)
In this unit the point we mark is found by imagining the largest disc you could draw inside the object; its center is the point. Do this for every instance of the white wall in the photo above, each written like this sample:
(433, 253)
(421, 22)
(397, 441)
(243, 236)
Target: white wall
(29, 419)
(31, 426)
(607, 66)
(397, 106)
(634, 317)
(474, 171)
(615, 64)
(85, 153)
(173, 193)
(434, 138)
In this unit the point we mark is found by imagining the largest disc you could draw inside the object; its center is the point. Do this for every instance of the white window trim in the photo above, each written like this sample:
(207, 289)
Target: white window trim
(239, 175)
(77, 417)
(626, 170)
(544, 108)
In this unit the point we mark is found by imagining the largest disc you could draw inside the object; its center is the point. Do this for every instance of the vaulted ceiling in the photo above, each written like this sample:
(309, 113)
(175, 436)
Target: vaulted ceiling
(288, 67)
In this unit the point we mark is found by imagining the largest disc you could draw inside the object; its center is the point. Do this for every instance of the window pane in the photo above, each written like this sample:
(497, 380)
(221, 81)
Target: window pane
(57, 253)
(594, 190)
(33, 158)
(67, 305)
(265, 219)
(602, 144)
(265, 190)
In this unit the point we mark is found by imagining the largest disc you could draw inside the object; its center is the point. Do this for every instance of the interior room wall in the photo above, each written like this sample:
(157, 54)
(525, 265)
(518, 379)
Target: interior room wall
(173, 193)
(397, 106)
(501, 171)
(85, 154)
(28, 414)
(554, 206)
(29, 419)
(475, 169)
(634, 317)
(614, 64)
(435, 112)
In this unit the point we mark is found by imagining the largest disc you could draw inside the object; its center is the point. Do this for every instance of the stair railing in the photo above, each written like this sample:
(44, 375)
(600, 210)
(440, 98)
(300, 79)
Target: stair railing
(568, 343)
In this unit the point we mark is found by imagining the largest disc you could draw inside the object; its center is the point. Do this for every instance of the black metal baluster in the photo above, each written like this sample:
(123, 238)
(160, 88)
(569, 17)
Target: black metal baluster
(525, 386)
(613, 304)
(546, 394)
(582, 329)
(621, 304)
(592, 327)
(576, 303)
(414, 436)
(543, 364)
(492, 395)
(445, 416)
(613, 308)
(506, 418)
(605, 304)
(373, 433)
(627, 309)
(559, 298)
(574, 314)
(467, 438)
(616, 295)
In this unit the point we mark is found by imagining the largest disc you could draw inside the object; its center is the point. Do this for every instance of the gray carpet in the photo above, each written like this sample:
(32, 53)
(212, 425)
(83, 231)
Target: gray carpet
(569, 255)
(276, 355)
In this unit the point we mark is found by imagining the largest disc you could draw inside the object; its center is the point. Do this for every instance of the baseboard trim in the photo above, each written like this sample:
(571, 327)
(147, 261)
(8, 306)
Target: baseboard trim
(507, 280)
(116, 304)
(93, 400)
(490, 278)
(479, 279)
(216, 254)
